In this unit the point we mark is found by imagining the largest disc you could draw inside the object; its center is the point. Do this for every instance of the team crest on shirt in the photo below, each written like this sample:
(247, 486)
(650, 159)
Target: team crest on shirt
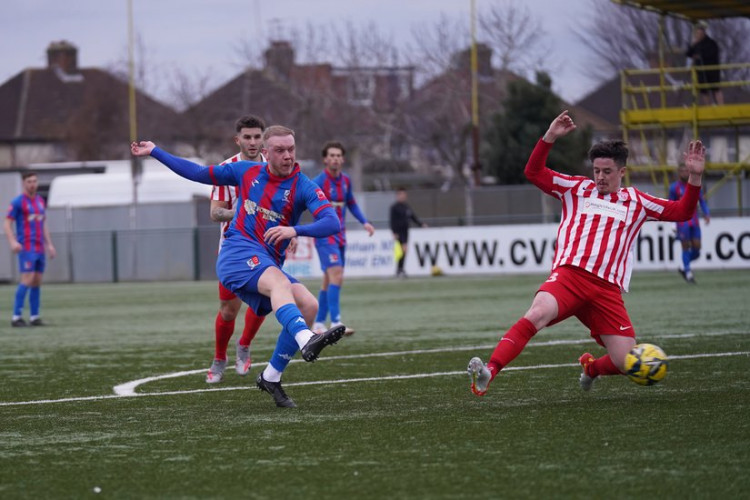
(285, 198)
(321, 194)
(253, 262)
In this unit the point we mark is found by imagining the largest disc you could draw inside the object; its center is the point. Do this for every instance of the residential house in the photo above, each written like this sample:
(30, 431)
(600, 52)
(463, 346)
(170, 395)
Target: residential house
(67, 113)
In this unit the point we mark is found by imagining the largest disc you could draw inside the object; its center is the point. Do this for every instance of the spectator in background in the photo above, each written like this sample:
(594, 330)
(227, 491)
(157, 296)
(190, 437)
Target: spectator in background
(400, 217)
(28, 211)
(704, 51)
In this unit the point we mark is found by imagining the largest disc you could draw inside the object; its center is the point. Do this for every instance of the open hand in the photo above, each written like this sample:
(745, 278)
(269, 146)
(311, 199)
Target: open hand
(560, 127)
(142, 148)
(695, 158)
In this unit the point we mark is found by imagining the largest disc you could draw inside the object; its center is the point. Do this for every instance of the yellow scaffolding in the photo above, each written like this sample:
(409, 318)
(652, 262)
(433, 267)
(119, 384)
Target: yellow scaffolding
(657, 102)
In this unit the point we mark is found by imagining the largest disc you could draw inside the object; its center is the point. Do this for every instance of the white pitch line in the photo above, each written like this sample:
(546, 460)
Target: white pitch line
(341, 381)
(128, 388)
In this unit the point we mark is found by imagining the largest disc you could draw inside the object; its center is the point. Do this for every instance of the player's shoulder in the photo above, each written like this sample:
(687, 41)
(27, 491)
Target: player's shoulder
(232, 159)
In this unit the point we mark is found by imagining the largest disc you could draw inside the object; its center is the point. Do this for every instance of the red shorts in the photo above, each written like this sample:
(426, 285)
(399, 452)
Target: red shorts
(225, 294)
(596, 302)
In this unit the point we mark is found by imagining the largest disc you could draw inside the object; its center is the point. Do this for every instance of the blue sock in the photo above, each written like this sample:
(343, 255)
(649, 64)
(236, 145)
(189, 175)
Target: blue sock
(334, 295)
(286, 348)
(20, 299)
(35, 300)
(322, 306)
(694, 253)
(686, 260)
(291, 319)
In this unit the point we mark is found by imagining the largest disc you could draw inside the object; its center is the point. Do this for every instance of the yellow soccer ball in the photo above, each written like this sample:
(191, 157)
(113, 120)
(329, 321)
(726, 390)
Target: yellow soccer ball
(646, 364)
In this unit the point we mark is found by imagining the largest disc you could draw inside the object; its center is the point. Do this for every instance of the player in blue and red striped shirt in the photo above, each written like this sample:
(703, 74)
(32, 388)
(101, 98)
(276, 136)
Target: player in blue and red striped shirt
(271, 199)
(29, 241)
(688, 232)
(337, 186)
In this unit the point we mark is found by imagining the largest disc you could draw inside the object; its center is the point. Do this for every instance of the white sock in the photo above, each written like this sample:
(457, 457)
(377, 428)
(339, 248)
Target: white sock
(32, 318)
(302, 337)
(16, 317)
(271, 374)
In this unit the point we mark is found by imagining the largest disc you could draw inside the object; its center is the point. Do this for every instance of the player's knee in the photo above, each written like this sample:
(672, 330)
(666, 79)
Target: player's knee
(309, 308)
(539, 316)
(229, 310)
(336, 275)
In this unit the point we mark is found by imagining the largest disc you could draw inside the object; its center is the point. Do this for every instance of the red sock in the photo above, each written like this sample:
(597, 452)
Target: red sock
(602, 366)
(224, 331)
(252, 325)
(511, 345)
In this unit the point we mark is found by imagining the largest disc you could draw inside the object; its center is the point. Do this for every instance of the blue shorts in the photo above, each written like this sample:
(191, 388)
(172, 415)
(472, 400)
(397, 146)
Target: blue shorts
(239, 268)
(686, 232)
(330, 255)
(31, 262)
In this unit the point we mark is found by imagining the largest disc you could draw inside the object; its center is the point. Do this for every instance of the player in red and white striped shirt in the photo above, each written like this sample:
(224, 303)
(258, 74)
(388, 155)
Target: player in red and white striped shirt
(249, 138)
(593, 258)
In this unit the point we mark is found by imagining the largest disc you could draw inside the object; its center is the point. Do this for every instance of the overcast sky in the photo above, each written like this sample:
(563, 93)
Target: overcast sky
(203, 35)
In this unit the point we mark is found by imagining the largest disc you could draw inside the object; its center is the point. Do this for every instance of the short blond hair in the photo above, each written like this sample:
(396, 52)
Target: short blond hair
(276, 131)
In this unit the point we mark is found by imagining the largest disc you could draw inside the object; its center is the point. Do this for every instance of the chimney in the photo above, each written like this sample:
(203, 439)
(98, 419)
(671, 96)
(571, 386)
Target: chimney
(280, 59)
(461, 61)
(63, 55)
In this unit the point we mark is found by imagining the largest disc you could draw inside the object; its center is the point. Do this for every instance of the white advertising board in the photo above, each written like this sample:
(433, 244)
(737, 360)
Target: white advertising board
(519, 249)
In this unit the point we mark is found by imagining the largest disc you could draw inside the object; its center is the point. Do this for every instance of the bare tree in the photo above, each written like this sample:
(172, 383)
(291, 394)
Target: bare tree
(623, 37)
(433, 45)
(515, 35)
(440, 117)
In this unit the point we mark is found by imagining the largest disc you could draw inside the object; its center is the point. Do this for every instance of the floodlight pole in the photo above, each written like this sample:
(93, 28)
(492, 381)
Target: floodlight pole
(134, 162)
(135, 165)
(474, 175)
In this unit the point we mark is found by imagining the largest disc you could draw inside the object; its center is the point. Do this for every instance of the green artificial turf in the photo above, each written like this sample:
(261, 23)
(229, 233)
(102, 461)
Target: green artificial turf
(386, 413)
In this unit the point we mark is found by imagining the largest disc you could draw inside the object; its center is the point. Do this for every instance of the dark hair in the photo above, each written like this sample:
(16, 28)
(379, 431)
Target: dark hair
(250, 121)
(333, 144)
(27, 174)
(616, 150)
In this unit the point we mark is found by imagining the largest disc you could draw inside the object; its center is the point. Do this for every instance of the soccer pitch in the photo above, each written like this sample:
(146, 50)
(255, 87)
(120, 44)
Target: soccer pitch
(386, 413)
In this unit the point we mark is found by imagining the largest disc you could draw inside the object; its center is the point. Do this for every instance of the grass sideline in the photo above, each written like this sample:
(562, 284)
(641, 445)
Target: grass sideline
(534, 435)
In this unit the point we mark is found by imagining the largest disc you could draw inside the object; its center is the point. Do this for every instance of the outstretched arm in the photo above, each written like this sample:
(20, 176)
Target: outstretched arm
(185, 168)
(560, 127)
(536, 171)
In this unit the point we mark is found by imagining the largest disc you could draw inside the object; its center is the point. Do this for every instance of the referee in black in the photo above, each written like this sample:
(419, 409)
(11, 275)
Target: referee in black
(401, 216)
